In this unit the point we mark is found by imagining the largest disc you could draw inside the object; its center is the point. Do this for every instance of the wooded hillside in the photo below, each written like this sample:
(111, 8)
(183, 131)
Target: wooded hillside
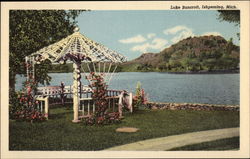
(204, 53)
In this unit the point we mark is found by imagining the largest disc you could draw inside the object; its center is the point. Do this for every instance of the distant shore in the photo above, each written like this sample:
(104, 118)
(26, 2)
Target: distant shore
(173, 72)
(176, 72)
(207, 72)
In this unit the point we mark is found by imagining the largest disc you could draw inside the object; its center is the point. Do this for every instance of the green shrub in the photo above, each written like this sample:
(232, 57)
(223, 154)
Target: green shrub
(140, 99)
(23, 106)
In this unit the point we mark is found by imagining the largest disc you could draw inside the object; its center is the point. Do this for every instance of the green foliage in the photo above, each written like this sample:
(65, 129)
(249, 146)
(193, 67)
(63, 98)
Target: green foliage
(68, 67)
(190, 64)
(31, 30)
(207, 53)
(128, 67)
(14, 104)
(41, 71)
(62, 68)
(140, 99)
(138, 89)
(23, 106)
(232, 16)
(145, 67)
(209, 63)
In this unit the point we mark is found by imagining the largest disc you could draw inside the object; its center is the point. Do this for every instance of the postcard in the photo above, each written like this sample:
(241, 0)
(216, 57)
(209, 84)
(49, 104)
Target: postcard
(132, 79)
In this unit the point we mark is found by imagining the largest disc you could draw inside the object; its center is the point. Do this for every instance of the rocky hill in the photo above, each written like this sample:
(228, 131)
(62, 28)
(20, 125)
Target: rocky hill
(196, 54)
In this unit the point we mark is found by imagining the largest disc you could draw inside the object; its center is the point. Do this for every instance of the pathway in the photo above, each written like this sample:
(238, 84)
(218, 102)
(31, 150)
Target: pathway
(169, 142)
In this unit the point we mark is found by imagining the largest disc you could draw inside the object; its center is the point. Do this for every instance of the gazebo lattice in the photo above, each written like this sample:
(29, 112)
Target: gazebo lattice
(78, 49)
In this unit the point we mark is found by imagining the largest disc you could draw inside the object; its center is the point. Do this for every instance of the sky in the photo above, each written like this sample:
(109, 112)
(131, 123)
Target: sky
(134, 32)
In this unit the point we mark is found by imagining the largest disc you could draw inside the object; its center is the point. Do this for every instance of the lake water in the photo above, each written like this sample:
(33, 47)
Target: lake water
(164, 87)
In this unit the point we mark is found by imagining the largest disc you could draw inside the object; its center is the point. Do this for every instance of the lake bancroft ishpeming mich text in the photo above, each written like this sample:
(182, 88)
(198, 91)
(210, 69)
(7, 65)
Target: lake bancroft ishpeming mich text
(220, 7)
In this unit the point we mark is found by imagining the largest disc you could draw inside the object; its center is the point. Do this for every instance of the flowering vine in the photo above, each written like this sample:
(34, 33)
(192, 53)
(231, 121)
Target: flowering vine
(24, 107)
(101, 115)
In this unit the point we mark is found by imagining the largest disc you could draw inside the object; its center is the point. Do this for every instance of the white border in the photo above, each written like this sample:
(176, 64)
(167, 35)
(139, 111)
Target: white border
(129, 5)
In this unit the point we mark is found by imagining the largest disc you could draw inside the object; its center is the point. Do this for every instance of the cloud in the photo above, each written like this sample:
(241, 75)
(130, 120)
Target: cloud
(180, 32)
(156, 44)
(135, 39)
(141, 48)
(150, 41)
(182, 35)
(151, 35)
(176, 29)
(211, 33)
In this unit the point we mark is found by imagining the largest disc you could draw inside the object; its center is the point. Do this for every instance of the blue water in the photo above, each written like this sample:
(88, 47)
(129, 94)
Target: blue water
(164, 87)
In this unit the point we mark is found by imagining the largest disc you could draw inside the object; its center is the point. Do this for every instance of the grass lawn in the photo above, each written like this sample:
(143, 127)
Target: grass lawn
(223, 144)
(59, 133)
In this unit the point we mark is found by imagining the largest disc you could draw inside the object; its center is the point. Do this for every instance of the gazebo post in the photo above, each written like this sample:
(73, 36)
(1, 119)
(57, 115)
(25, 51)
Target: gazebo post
(27, 68)
(76, 90)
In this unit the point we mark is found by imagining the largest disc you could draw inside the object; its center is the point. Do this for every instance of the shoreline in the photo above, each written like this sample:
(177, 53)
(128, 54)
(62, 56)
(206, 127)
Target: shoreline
(186, 72)
(232, 71)
(191, 106)
(208, 72)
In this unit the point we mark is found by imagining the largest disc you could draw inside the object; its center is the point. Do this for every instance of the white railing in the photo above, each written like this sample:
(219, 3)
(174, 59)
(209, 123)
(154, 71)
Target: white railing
(63, 95)
(57, 90)
(43, 105)
(59, 94)
(88, 107)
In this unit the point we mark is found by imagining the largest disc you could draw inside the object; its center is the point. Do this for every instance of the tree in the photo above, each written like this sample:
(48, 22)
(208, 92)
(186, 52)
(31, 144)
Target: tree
(31, 30)
(232, 16)
(210, 63)
(229, 46)
(190, 64)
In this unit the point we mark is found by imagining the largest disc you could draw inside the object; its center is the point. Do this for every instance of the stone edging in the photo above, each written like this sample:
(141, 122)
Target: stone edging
(192, 106)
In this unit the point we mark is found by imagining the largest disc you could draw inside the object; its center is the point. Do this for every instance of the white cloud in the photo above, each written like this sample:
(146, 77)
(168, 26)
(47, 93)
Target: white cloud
(151, 42)
(182, 35)
(176, 29)
(151, 35)
(180, 32)
(212, 33)
(156, 44)
(135, 39)
(141, 48)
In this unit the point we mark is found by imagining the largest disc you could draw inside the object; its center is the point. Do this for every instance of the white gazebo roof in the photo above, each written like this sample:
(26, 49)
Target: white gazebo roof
(78, 44)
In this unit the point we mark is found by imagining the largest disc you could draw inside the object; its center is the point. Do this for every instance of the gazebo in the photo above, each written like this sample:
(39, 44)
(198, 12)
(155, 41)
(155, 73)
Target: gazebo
(77, 49)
